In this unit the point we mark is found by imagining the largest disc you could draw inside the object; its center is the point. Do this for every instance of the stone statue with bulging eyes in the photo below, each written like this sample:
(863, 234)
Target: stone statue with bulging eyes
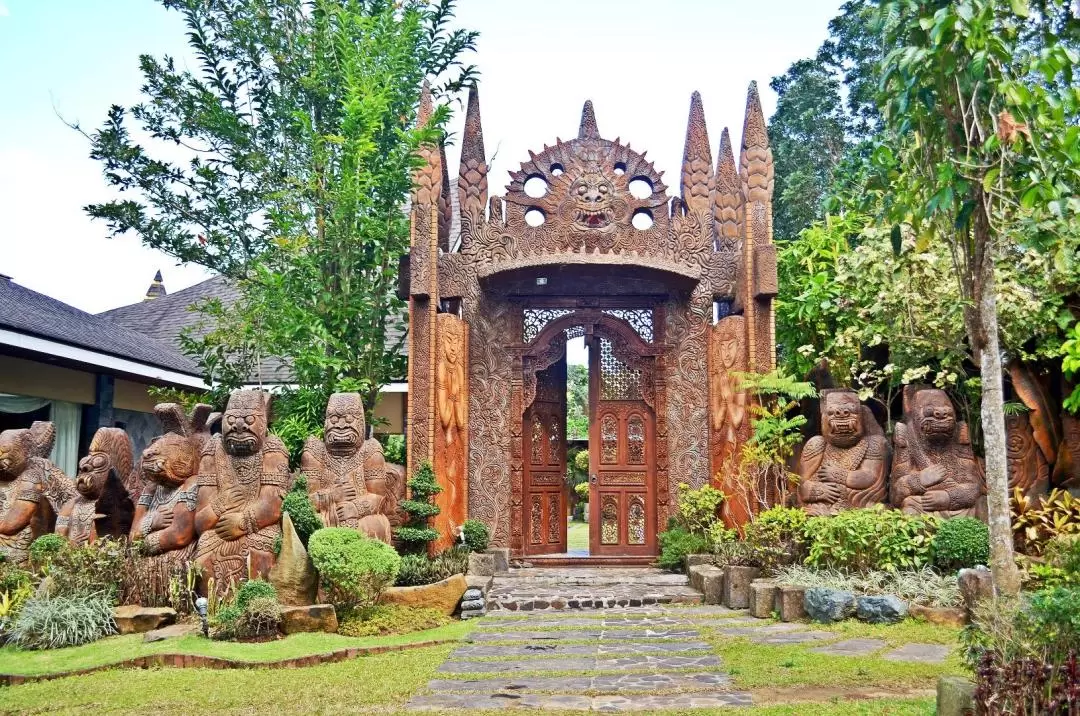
(32, 489)
(243, 476)
(346, 475)
(106, 488)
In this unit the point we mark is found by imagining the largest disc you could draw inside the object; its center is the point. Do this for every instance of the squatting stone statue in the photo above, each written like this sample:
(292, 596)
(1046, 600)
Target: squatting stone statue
(105, 485)
(32, 489)
(346, 475)
(934, 470)
(845, 466)
(243, 475)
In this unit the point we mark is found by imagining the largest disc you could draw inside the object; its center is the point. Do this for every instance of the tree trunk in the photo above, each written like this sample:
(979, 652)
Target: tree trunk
(1002, 561)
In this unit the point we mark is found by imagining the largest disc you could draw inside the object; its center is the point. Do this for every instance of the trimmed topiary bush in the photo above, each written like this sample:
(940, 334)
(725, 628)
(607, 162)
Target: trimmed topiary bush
(55, 622)
(416, 535)
(475, 535)
(353, 569)
(960, 542)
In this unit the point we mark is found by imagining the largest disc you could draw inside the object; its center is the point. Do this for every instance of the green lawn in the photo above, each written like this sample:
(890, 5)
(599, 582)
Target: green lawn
(577, 536)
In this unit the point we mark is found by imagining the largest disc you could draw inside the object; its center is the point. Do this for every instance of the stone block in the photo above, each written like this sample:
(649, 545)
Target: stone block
(693, 560)
(975, 585)
(471, 604)
(481, 564)
(471, 613)
(173, 631)
(474, 581)
(502, 558)
(762, 598)
(829, 605)
(791, 603)
(943, 616)
(311, 618)
(444, 596)
(955, 696)
(134, 619)
(737, 586)
(881, 609)
(709, 580)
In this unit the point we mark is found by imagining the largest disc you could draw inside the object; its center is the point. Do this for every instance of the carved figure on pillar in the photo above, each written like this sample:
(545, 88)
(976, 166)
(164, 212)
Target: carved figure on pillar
(934, 470)
(103, 505)
(165, 513)
(451, 397)
(32, 489)
(346, 475)
(243, 475)
(845, 466)
(1029, 469)
(729, 410)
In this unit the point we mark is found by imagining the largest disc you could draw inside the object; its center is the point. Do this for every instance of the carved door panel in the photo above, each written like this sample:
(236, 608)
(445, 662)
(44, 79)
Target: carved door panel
(544, 438)
(622, 458)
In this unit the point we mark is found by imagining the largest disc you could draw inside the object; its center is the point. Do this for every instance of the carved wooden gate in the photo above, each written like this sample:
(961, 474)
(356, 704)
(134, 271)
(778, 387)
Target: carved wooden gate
(622, 457)
(544, 443)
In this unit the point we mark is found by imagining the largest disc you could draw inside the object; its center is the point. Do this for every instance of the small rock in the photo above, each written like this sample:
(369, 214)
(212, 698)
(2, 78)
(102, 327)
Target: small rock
(943, 616)
(134, 619)
(444, 596)
(828, 605)
(955, 696)
(471, 604)
(293, 575)
(881, 609)
(791, 603)
(473, 593)
(312, 618)
(173, 631)
(762, 598)
(481, 564)
(737, 586)
(975, 586)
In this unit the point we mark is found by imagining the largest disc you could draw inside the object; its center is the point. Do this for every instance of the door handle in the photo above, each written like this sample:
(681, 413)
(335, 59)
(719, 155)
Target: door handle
(592, 478)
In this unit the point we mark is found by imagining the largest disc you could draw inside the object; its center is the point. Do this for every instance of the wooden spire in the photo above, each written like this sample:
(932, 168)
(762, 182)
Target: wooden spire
(472, 173)
(697, 159)
(587, 129)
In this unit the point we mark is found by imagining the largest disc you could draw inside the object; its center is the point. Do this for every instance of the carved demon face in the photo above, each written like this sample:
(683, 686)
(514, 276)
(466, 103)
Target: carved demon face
(934, 415)
(841, 418)
(14, 453)
(170, 460)
(244, 424)
(591, 197)
(93, 474)
(344, 428)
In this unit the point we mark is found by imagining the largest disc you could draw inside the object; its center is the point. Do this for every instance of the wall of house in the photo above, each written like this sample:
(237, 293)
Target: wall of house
(41, 380)
(391, 408)
(129, 395)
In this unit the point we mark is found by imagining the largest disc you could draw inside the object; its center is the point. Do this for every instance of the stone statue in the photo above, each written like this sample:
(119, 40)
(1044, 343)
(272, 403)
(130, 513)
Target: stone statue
(106, 489)
(32, 489)
(243, 476)
(1029, 469)
(934, 471)
(844, 467)
(165, 514)
(346, 475)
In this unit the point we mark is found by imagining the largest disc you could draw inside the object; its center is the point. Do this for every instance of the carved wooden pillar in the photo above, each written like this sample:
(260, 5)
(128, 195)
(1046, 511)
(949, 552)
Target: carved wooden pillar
(451, 450)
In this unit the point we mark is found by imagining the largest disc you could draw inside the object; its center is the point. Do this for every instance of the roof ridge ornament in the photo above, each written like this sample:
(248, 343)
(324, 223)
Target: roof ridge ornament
(588, 129)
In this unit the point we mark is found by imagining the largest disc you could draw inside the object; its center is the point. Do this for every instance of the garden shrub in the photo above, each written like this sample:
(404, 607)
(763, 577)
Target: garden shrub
(1036, 524)
(45, 548)
(1061, 567)
(12, 576)
(582, 491)
(353, 569)
(52, 622)
(417, 569)
(774, 538)
(475, 535)
(868, 539)
(297, 503)
(960, 542)
(386, 619)
(416, 535)
(95, 568)
(676, 543)
(698, 508)
(259, 618)
(254, 589)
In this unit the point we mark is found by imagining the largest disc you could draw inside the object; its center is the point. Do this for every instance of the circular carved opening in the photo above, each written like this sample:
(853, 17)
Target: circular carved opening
(556, 169)
(620, 168)
(641, 188)
(535, 217)
(536, 186)
(642, 219)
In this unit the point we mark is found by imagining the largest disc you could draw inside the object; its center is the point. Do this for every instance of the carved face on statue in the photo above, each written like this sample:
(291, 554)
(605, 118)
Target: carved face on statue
(728, 347)
(935, 416)
(170, 460)
(14, 453)
(244, 424)
(841, 418)
(344, 428)
(93, 474)
(592, 196)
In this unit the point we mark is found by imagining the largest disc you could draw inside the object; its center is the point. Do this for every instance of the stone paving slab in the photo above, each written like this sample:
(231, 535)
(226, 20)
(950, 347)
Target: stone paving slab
(624, 622)
(553, 650)
(921, 653)
(584, 634)
(570, 702)
(851, 647)
(644, 662)
(668, 610)
(604, 683)
(791, 637)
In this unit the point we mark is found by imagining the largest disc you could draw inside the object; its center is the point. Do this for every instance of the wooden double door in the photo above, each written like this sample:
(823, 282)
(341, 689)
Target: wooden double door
(622, 460)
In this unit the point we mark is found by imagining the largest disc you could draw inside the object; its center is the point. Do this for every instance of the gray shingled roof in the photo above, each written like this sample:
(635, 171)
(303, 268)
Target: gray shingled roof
(32, 313)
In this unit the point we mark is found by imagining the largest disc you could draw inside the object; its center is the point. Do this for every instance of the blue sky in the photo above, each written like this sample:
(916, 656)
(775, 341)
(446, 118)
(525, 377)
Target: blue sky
(539, 60)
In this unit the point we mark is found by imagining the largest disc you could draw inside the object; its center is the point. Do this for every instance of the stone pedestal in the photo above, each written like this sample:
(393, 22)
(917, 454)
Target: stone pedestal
(502, 558)
(790, 603)
(976, 585)
(709, 580)
(955, 696)
(762, 598)
(737, 586)
(481, 564)
(693, 560)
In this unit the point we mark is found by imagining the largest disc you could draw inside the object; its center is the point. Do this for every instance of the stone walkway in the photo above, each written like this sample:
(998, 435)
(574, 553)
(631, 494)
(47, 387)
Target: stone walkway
(554, 588)
(619, 659)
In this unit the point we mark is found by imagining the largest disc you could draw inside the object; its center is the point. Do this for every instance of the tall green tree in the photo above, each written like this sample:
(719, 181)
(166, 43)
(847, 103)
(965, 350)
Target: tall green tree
(975, 151)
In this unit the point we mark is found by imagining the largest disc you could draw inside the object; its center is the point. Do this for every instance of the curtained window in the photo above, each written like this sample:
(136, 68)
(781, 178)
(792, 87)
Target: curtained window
(66, 416)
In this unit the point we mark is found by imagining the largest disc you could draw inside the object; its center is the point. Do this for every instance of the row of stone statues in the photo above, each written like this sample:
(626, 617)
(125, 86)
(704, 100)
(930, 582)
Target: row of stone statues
(934, 470)
(213, 499)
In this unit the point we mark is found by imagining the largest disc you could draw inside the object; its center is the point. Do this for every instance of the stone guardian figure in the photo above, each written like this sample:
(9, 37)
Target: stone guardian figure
(934, 470)
(32, 489)
(845, 466)
(103, 506)
(346, 475)
(243, 476)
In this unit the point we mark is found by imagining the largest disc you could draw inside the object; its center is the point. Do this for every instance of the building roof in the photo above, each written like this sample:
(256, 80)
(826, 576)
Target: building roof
(34, 314)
